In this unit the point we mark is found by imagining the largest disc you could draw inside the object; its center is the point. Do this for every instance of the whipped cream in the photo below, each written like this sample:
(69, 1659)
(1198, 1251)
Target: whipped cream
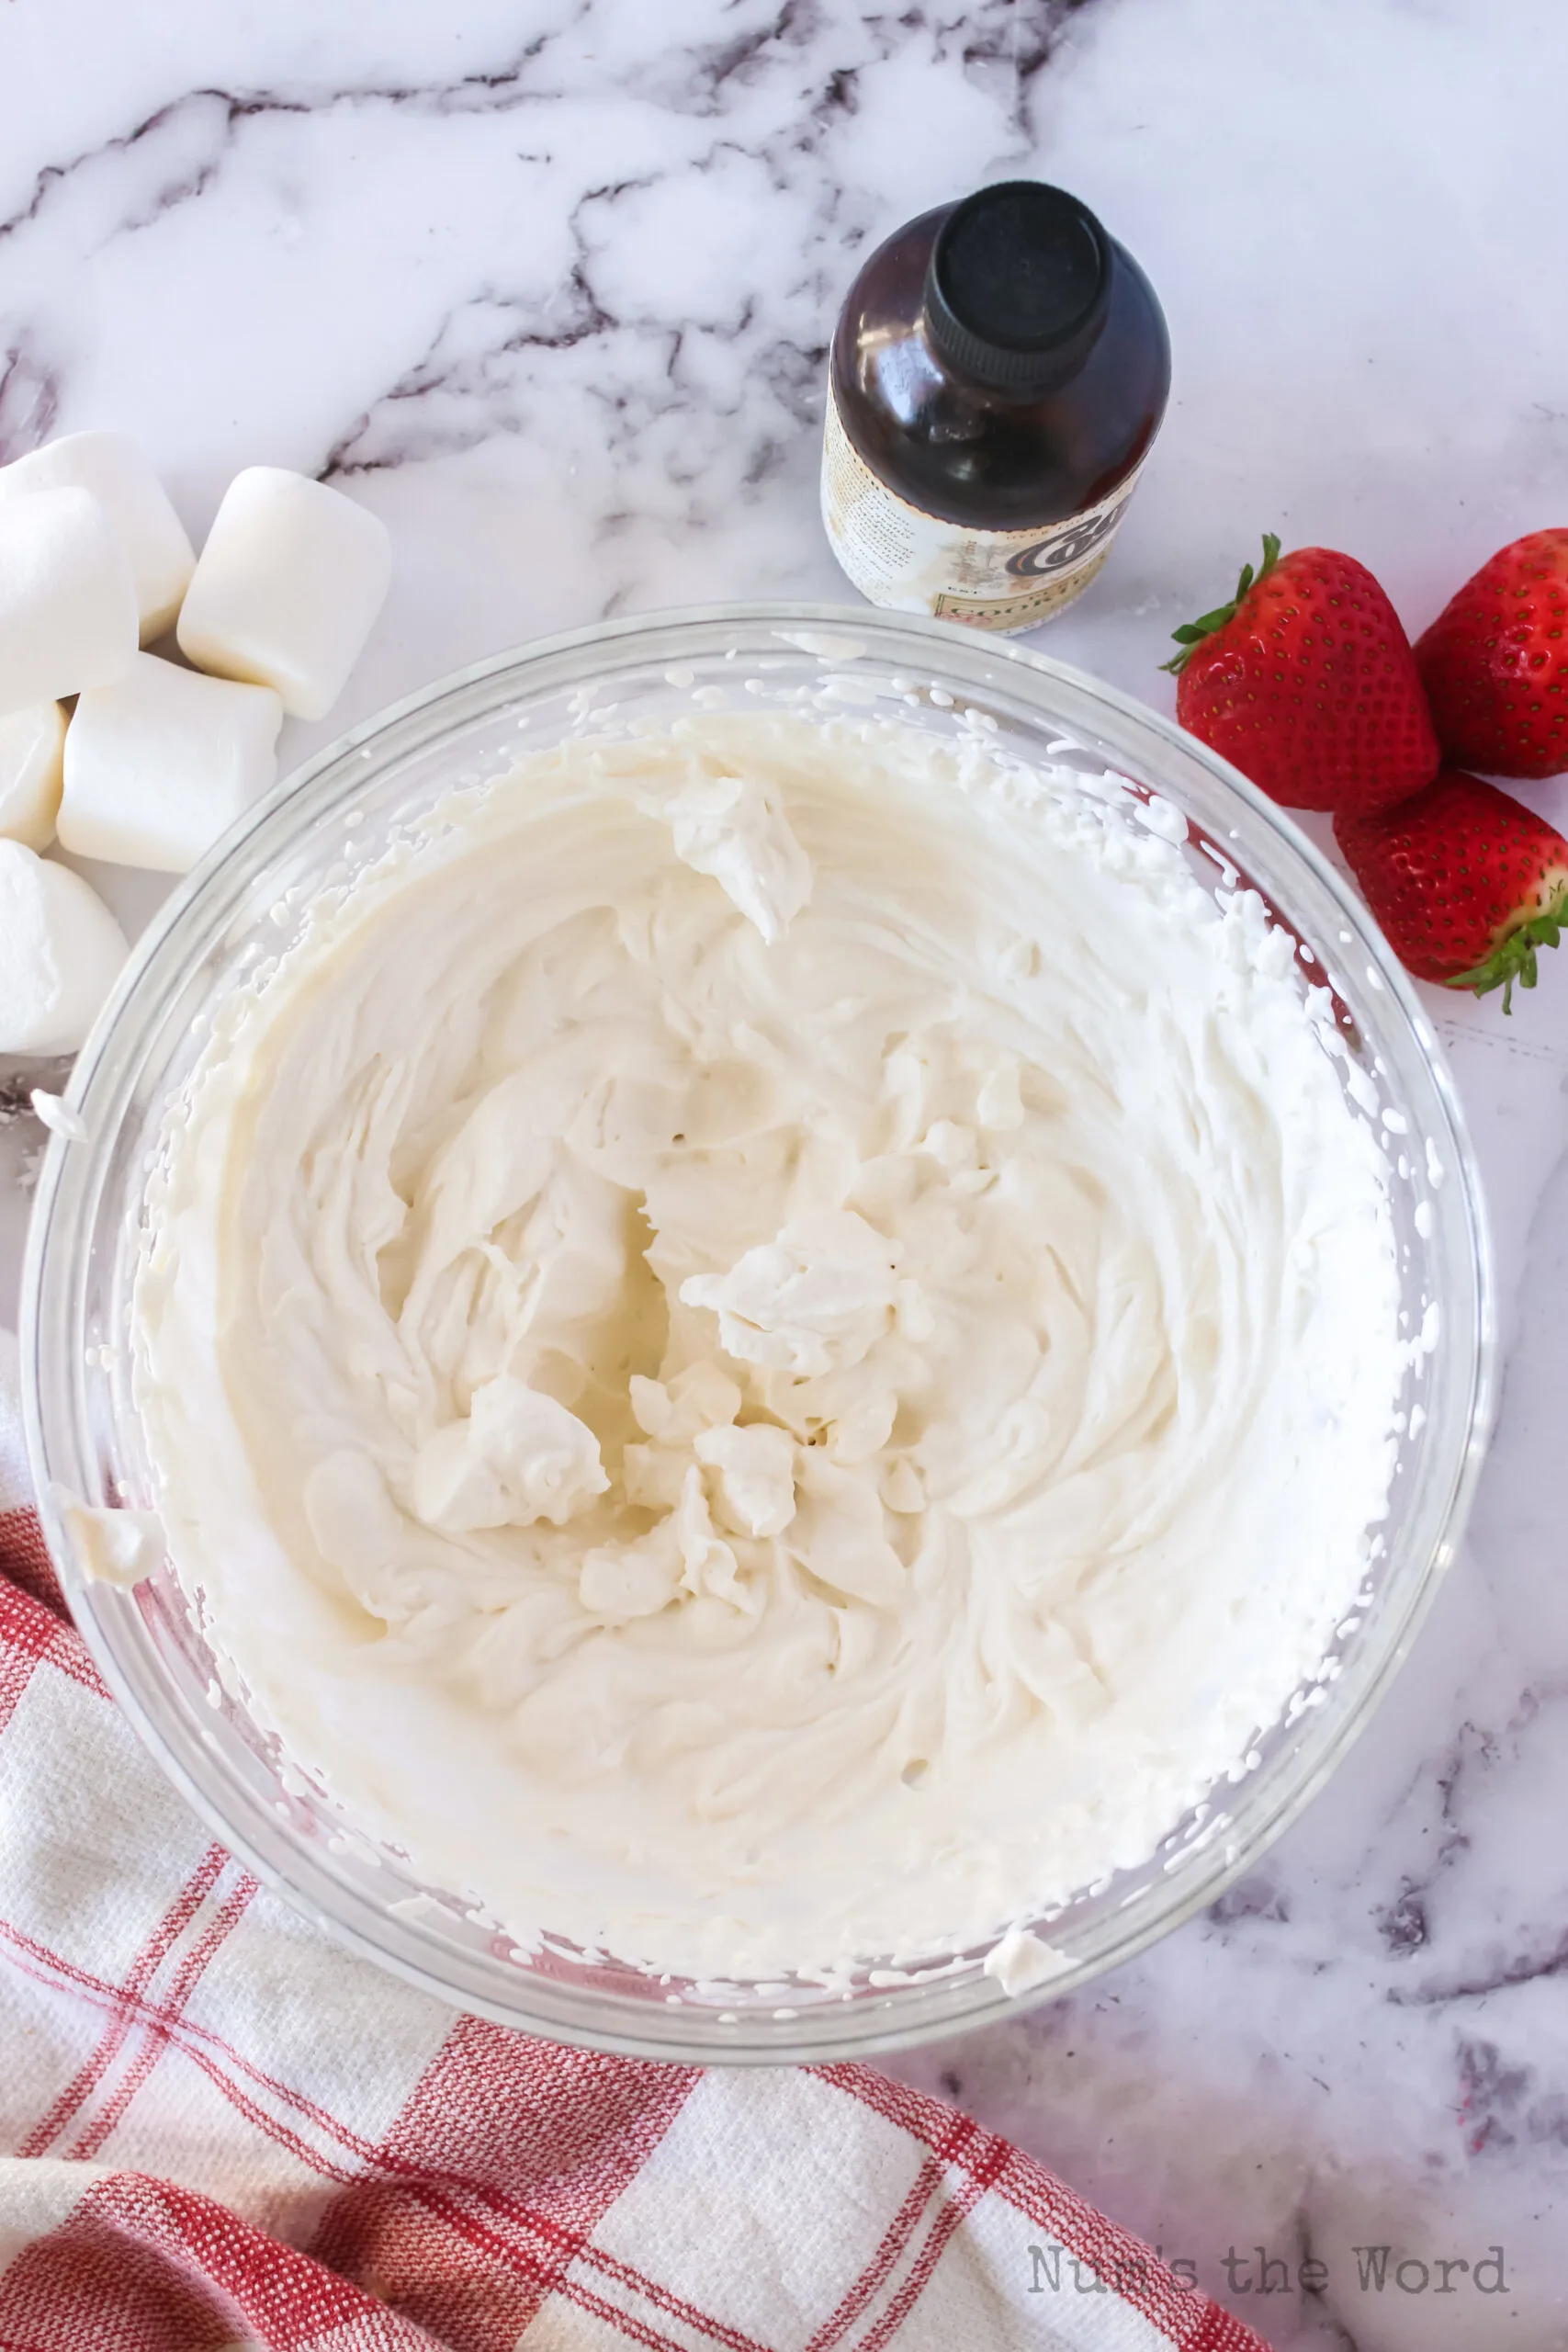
(773, 1346)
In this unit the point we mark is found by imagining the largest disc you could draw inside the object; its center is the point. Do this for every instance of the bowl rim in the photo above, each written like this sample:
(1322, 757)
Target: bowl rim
(870, 2027)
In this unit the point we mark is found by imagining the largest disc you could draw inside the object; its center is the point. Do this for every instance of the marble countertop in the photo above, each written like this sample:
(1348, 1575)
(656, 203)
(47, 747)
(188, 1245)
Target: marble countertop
(548, 284)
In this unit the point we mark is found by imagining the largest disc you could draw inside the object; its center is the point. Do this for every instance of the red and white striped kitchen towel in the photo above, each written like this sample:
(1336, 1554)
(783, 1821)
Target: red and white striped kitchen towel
(220, 2131)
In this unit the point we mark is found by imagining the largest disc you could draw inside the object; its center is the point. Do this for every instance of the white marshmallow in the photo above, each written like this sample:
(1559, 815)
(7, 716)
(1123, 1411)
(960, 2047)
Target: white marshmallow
(67, 600)
(159, 764)
(31, 743)
(60, 953)
(113, 469)
(288, 588)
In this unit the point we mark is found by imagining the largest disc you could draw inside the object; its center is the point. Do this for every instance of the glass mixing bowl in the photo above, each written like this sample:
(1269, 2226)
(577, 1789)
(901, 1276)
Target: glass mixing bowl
(335, 814)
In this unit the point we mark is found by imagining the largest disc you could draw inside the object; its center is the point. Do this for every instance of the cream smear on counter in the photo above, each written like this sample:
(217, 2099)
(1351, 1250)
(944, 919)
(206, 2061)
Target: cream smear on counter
(770, 1347)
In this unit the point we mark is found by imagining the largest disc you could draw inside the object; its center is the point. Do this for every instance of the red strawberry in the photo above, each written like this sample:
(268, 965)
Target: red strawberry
(1306, 681)
(1495, 662)
(1466, 882)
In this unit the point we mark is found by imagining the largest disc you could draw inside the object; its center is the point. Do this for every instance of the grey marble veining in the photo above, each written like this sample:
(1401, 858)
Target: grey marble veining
(548, 284)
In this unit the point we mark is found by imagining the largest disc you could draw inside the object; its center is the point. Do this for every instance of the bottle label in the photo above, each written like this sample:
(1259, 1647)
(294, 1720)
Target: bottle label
(899, 556)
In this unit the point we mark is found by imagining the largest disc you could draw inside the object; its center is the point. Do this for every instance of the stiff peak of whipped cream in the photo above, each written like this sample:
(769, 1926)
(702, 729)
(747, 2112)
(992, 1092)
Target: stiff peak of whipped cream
(771, 1352)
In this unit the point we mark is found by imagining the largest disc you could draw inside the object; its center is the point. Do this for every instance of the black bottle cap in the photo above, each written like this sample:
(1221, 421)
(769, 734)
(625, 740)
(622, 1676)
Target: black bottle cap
(1016, 286)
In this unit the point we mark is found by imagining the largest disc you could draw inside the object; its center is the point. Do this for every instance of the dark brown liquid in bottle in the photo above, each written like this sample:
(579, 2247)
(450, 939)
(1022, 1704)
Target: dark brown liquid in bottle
(1002, 363)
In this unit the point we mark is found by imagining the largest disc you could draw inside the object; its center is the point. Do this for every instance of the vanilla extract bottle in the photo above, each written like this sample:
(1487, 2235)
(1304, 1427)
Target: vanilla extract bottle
(996, 378)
